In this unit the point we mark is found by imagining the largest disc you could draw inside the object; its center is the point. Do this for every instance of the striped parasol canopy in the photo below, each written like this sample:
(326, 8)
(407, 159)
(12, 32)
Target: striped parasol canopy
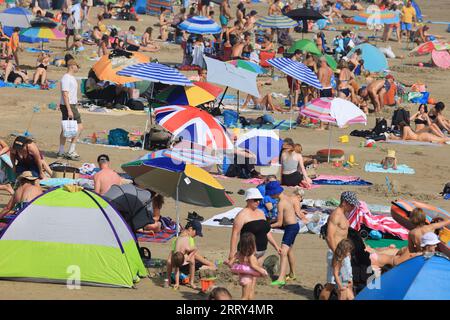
(200, 25)
(16, 17)
(193, 124)
(276, 22)
(155, 72)
(296, 70)
(189, 156)
(373, 16)
(44, 33)
(334, 110)
(199, 93)
(429, 47)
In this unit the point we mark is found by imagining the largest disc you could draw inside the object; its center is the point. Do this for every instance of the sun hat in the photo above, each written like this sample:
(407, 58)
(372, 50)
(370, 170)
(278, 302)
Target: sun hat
(27, 175)
(391, 153)
(429, 239)
(273, 188)
(350, 198)
(253, 194)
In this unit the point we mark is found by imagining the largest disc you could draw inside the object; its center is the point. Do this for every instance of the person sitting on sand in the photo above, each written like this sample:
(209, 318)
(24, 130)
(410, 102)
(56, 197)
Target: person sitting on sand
(156, 226)
(287, 219)
(96, 35)
(408, 134)
(106, 177)
(376, 90)
(14, 74)
(147, 44)
(423, 122)
(26, 156)
(131, 42)
(293, 171)
(429, 242)
(437, 116)
(40, 75)
(265, 102)
(390, 161)
(103, 46)
(419, 219)
(342, 269)
(28, 190)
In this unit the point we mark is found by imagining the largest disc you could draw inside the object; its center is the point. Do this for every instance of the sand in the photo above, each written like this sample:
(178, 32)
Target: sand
(431, 165)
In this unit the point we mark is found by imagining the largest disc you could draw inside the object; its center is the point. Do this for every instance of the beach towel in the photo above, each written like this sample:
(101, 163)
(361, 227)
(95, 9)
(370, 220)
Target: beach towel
(51, 85)
(361, 216)
(384, 243)
(36, 50)
(340, 180)
(278, 125)
(160, 237)
(377, 167)
(412, 143)
(58, 182)
(87, 141)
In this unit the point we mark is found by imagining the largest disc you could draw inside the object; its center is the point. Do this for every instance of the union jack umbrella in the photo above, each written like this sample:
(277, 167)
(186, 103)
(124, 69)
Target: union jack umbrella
(194, 125)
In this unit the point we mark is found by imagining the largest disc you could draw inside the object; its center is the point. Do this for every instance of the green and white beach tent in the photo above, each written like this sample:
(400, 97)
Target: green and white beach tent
(66, 234)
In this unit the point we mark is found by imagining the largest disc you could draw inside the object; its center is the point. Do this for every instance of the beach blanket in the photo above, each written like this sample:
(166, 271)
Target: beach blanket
(377, 167)
(160, 237)
(36, 50)
(278, 124)
(412, 143)
(58, 182)
(362, 216)
(384, 243)
(340, 180)
(108, 145)
(318, 215)
(51, 85)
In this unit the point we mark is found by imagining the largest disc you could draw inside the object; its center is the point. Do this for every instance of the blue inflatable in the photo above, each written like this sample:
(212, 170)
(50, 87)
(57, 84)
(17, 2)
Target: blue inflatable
(418, 11)
(141, 6)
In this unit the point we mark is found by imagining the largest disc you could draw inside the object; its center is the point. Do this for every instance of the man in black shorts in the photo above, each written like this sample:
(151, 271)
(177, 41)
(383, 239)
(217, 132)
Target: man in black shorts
(206, 6)
(68, 107)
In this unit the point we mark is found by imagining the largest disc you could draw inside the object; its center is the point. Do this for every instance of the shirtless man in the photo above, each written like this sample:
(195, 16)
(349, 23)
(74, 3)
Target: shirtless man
(225, 13)
(107, 177)
(336, 232)
(419, 220)
(275, 8)
(236, 52)
(376, 90)
(28, 190)
(325, 74)
(287, 218)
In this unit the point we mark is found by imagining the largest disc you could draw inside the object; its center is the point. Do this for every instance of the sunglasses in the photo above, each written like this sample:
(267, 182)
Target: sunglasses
(256, 200)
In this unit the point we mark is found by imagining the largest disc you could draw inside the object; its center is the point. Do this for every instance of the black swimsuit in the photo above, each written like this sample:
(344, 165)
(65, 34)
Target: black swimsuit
(420, 121)
(260, 228)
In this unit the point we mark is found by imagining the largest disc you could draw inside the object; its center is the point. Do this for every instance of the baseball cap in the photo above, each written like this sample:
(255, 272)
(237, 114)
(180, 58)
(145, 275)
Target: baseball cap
(253, 194)
(196, 225)
(350, 198)
(273, 187)
(429, 239)
(72, 62)
(27, 175)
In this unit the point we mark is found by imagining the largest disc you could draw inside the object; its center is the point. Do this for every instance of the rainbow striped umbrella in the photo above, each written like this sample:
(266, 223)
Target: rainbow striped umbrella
(199, 93)
(276, 22)
(373, 16)
(334, 110)
(44, 33)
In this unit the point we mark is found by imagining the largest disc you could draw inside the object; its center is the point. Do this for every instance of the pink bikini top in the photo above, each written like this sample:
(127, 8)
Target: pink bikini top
(244, 269)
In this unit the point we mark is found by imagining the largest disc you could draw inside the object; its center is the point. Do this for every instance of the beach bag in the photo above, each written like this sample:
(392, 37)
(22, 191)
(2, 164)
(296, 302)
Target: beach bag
(230, 118)
(399, 116)
(70, 128)
(118, 137)
(135, 104)
(380, 126)
(446, 189)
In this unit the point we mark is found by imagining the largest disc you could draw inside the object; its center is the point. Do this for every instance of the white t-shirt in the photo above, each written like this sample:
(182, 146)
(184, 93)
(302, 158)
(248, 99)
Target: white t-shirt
(69, 84)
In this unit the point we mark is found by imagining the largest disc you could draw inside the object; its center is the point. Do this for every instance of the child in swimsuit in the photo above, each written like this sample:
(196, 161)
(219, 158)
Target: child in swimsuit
(390, 161)
(342, 269)
(248, 265)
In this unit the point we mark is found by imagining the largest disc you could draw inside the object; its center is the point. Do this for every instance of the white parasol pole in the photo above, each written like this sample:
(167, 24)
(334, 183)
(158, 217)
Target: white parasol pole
(150, 114)
(329, 143)
(177, 206)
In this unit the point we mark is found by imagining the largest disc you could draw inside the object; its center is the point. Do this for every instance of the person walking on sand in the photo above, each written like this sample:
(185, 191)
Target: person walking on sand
(287, 218)
(325, 74)
(106, 177)
(337, 230)
(14, 45)
(68, 108)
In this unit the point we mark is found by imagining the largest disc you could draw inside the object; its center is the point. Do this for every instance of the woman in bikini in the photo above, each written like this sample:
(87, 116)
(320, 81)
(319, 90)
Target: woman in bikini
(14, 75)
(41, 69)
(423, 122)
(147, 44)
(436, 115)
(156, 226)
(408, 134)
(345, 76)
(164, 24)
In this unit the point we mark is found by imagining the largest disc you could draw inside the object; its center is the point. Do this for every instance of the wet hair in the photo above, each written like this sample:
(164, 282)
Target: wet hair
(247, 244)
(440, 106)
(177, 259)
(343, 248)
(418, 217)
(425, 107)
(217, 292)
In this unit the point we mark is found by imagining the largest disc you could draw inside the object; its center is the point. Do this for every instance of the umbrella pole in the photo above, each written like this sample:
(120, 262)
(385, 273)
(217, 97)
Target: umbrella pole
(150, 115)
(177, 206)
(329, 144)
(223, 95)
(238, 103)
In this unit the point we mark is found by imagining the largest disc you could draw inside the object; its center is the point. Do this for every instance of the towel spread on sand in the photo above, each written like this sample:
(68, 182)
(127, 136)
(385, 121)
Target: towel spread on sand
(413, 143)
(378, 167)
(51, 85)
(340, 181)
(362, 216)
(160, 237)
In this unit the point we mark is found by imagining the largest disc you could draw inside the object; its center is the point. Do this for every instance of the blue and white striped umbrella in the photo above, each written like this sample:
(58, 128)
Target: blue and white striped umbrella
(276, 22)
(265, 144)
(296, 70)
(200, 25)
(16, 17)
(155, 72)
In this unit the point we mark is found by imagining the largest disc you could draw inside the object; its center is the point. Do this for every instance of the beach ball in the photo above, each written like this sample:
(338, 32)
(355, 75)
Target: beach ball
(431, 101)
(420, 64)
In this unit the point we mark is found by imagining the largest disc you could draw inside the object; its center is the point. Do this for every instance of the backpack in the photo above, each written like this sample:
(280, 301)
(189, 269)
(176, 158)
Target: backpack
(399, 116)
(380, 126)
(135, 104)
(118, 137)
(446, 189)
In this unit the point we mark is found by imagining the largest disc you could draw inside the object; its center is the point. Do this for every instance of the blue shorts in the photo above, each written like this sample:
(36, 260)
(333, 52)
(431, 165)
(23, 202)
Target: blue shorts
(406, 26)
(290, 233)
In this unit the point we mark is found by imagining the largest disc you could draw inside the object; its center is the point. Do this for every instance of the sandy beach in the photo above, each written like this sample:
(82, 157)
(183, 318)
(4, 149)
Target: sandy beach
(431, 164)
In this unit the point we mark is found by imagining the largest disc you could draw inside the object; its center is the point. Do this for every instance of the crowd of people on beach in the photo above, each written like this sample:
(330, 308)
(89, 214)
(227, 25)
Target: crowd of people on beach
(271, 205)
